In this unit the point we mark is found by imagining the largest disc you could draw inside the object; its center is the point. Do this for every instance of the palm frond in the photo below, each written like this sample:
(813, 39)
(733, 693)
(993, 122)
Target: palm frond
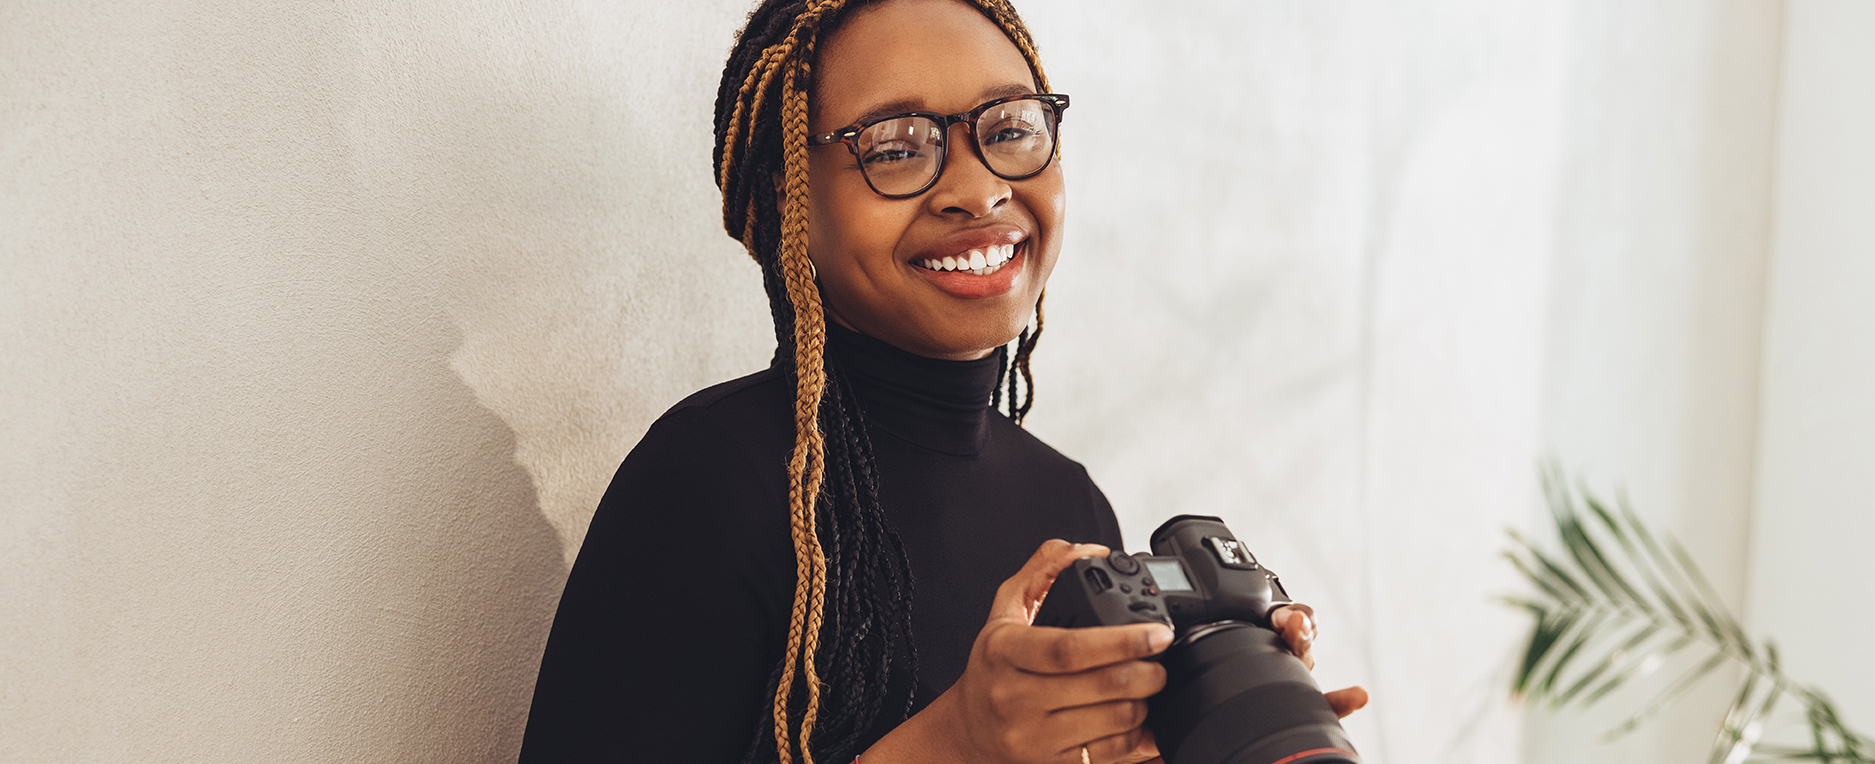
(1618, 601)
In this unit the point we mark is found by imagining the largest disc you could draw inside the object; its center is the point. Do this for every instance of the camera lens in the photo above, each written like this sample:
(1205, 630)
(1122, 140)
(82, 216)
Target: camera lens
(1234, 695)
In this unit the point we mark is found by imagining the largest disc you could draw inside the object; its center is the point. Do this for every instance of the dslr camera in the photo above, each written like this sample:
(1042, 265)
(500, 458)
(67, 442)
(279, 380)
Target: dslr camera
(1234, 694)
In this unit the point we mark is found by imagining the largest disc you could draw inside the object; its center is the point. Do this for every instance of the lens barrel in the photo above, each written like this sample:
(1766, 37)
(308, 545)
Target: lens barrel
(1235, 695)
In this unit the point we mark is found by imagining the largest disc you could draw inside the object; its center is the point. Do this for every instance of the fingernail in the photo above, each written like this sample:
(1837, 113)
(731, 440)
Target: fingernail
(1159, 638)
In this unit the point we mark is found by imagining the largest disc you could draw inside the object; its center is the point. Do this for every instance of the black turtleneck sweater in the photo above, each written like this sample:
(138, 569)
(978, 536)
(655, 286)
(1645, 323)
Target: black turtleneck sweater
(677, 608)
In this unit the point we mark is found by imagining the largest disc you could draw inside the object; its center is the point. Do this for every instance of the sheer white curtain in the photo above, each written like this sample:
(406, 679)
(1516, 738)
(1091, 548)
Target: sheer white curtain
(1344, 272)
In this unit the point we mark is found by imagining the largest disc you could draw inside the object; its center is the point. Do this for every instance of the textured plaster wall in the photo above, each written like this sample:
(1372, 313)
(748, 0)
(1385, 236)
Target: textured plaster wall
(323, 327)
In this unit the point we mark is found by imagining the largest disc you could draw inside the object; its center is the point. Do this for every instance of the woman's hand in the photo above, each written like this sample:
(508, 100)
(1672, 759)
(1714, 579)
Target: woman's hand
(1296, 624)
(1034, 694)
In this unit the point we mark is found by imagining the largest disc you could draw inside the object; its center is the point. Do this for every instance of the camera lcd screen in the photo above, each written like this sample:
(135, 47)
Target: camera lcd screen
(1170, 574)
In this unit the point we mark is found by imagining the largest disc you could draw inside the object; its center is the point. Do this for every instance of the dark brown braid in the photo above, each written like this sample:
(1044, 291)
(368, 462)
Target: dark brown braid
(849, 631)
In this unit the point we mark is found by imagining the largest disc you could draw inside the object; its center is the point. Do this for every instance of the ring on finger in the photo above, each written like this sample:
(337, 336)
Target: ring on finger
(1084, 759)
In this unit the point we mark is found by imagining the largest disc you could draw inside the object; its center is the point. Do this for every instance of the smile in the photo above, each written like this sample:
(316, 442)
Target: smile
(976, 262)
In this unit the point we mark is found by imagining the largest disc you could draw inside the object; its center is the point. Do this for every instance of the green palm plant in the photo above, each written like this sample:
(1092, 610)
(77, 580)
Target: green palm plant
(1617, 601)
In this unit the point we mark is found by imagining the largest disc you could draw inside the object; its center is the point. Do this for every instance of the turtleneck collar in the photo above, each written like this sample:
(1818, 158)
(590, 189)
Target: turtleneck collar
(940, 405)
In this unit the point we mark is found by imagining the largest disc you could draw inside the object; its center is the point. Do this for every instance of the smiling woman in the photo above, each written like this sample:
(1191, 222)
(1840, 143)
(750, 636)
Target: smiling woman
(746, 589)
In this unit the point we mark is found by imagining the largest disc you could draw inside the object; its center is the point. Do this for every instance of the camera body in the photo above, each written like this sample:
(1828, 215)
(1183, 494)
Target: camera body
(1234, 693)
(1200, 573)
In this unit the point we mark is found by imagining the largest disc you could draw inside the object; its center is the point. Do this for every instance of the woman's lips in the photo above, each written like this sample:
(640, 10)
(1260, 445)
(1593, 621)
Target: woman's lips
(983, 280)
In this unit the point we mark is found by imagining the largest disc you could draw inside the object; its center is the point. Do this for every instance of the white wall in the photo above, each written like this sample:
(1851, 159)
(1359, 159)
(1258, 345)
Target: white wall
(322, 328)
(1304, 290)
(1655, 307)
(1811, 571)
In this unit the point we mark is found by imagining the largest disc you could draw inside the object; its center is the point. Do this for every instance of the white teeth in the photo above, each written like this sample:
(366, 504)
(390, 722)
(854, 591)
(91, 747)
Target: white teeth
(977, 262)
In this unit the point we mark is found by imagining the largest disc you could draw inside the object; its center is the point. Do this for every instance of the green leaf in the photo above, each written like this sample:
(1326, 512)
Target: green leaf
(1715, 604)
(1616, 597)
(1583, 632)
(1628, 530)
(1541, 581)
(1553, 572)
(1588, 555)
(1543, 636)
(1673, 692)
(1615, 669)
(1738, 718)
(1669, 565)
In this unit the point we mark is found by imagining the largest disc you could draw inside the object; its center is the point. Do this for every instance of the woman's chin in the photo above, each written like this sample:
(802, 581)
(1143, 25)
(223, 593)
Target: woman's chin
(972, 345)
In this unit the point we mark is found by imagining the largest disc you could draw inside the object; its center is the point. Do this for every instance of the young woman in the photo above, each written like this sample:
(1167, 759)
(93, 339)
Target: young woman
(813, 563)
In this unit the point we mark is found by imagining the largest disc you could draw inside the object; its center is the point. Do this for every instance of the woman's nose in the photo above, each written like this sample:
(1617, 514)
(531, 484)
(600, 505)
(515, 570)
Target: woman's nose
(967, 185)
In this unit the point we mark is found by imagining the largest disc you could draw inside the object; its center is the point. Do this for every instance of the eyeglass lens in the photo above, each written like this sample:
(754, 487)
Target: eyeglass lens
(903, 155)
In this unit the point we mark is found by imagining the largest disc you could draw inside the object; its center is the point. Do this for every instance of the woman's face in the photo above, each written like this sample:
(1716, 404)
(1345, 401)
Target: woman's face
(946, 57)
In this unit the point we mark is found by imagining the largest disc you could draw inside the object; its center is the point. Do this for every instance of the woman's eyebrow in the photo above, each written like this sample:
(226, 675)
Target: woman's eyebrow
(886, 109)
(904, 105)
(1005, 91)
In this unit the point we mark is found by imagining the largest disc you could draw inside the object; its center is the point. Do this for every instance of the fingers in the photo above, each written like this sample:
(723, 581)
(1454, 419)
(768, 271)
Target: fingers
(1296, 624)
(1346, 701)
(1018, 597)
(1127, 680)
(1115, 727)
(1131, 747)
(1048, 650)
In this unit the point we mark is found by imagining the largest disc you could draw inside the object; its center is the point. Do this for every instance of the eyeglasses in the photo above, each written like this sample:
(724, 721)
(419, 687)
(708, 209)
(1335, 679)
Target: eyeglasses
(902, 155)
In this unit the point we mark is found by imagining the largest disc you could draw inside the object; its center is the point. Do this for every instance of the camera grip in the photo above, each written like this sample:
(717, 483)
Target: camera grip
(1102, 591)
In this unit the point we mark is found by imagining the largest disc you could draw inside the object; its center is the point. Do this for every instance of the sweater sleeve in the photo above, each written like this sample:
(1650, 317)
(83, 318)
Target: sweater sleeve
(674, 612)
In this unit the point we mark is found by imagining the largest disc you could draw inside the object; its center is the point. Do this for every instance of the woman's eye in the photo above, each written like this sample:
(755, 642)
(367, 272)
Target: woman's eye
(1011, 133)
(891, 153)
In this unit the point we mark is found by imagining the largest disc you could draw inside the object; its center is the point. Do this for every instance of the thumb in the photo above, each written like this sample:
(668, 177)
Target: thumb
(1020, 596)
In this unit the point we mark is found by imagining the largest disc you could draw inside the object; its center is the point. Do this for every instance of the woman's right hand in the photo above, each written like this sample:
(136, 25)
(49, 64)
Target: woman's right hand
(1033, 694)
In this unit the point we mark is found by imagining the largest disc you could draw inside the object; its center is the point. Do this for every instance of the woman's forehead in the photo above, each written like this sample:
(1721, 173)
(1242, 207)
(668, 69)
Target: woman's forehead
(914, 55)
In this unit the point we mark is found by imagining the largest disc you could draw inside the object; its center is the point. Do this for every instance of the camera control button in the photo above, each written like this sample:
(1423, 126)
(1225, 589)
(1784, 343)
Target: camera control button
(1141, 607)
(1123, 563)
(1231, 552)
(1124, 589)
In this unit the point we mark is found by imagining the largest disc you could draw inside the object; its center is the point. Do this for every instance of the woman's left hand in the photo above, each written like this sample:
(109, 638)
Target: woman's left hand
(1296, 624)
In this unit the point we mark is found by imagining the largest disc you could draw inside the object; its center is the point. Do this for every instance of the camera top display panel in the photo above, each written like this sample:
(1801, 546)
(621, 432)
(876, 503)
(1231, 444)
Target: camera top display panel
(1169, 573)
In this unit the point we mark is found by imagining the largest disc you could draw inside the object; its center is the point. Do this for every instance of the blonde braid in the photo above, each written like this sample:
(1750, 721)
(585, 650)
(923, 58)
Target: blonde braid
(805, 467)
(1005, 18)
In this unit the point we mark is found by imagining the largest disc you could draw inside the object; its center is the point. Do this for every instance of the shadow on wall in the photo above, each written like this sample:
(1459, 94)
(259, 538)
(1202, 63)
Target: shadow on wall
(547, 176)
(465, 646)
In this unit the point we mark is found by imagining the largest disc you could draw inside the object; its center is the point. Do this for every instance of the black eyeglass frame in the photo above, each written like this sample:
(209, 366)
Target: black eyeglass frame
(849, 135)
